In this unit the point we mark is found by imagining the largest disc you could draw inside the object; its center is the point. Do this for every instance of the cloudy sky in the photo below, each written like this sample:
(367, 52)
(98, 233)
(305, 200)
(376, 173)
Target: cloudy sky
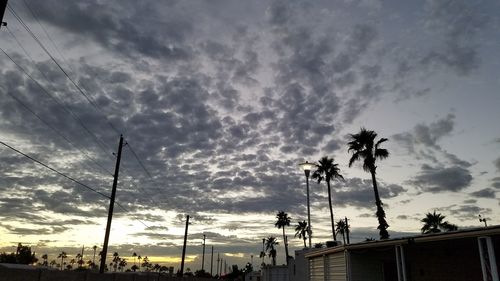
(220, 100)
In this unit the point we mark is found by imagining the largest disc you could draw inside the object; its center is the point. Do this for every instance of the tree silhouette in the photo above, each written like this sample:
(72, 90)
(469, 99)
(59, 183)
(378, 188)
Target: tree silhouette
(341, 228)
(326, 170)
(62, 255)
(135, 256)
(301, 231)
(282, 222)
(271, 242)
(364, 147)
(434, 223)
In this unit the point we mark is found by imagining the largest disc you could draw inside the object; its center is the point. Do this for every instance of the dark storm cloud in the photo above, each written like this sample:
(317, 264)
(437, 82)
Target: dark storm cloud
(440, 179)
(359, 192)
(459, 23)
(465, 212)
(497, 163)
(484, 193)
(424, 139)
(119, 27)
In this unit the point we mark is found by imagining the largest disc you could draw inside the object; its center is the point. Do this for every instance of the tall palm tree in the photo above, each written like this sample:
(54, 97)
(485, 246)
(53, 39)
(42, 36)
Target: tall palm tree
(93, 260)
(301, 230)
(134, 255)
(364, 147)
(341, 229)
(434, 223)
(263, 253)
(282, 222)
(326, 170)
(62, 255)
(271, 242)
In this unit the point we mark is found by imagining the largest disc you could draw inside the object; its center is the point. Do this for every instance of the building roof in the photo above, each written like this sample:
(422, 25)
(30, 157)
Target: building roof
(431, 237)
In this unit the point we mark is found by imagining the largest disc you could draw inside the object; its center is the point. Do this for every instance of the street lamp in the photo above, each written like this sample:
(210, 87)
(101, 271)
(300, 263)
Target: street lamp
(306, 167)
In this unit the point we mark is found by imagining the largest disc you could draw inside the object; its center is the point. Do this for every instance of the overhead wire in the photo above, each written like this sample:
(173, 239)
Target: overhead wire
(54, 170)
(45, 91)
(79, 89)
(72, 179)
(88, 98)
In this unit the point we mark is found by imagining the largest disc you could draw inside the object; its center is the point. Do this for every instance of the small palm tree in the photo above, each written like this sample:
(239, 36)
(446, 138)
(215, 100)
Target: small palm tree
(363, 146)
(45, 260)
(271, 242)
(93, 260)
(341, 229)
(283, 221)
(135, 256)
(139, 258)
(301, 230)
(326, 170)
(434, 223)
(62, 255)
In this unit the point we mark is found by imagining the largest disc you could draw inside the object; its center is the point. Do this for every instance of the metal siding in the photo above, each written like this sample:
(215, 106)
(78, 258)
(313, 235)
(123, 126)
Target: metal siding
(336, 267)
(316, 269)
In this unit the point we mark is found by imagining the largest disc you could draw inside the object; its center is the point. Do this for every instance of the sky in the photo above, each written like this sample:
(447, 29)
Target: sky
(219, 101)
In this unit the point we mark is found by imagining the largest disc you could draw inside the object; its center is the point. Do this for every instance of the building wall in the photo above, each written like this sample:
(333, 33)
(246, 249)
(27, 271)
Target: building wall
(456, 260)
(275, 273)
(369, 264)
(10, 274)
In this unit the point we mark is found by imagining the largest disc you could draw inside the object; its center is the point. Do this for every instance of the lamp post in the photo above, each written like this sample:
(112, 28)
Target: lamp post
(306, 167)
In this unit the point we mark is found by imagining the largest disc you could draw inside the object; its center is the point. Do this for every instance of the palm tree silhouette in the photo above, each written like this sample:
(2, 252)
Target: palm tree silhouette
(363, 147)
(62, 255)
(341, 229)
(326, 170)
(134, 255)
(301, 231)
(271, 242)
(283, 221)
(434, 223)
(93, 260)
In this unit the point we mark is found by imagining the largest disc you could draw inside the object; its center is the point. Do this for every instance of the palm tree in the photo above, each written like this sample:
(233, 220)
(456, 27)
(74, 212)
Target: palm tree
(139, 258)
(326, 170)
(363, 146)
(434, 223)
(62, 255)
(301, 231)
(283, 220)
(263, 252)
(116, 260)
(45, 260)
(271, 242)
(341, 229)
(93, 260)
(134, 255)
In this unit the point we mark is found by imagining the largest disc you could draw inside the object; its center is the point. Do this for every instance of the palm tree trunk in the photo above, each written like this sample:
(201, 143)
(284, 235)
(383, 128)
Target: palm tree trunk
(331, 210)
(286, 245)
(382, 223)
(305, 246)
(343, 236)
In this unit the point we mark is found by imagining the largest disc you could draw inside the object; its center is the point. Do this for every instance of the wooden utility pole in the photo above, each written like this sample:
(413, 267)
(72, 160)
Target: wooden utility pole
(347, 230)
(3, 5)
(212, 262)
(218, 260)
(111, 206)
(184, 247)
(203, 255)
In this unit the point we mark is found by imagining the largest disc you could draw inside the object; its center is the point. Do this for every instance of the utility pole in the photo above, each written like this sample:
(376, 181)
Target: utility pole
(347, 230)
(3, 5)
(212, 262)
(218, 259)
(111, 206)
(203, 256)
(184, 247)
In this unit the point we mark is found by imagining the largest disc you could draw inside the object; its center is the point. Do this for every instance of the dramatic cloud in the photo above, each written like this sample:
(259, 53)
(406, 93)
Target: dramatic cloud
(440, 179)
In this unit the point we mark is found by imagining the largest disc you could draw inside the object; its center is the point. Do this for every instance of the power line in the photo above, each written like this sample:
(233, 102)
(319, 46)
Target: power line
(98, 141)
(56, 131)
(79, 89)
(54, 170)
(73, 180)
